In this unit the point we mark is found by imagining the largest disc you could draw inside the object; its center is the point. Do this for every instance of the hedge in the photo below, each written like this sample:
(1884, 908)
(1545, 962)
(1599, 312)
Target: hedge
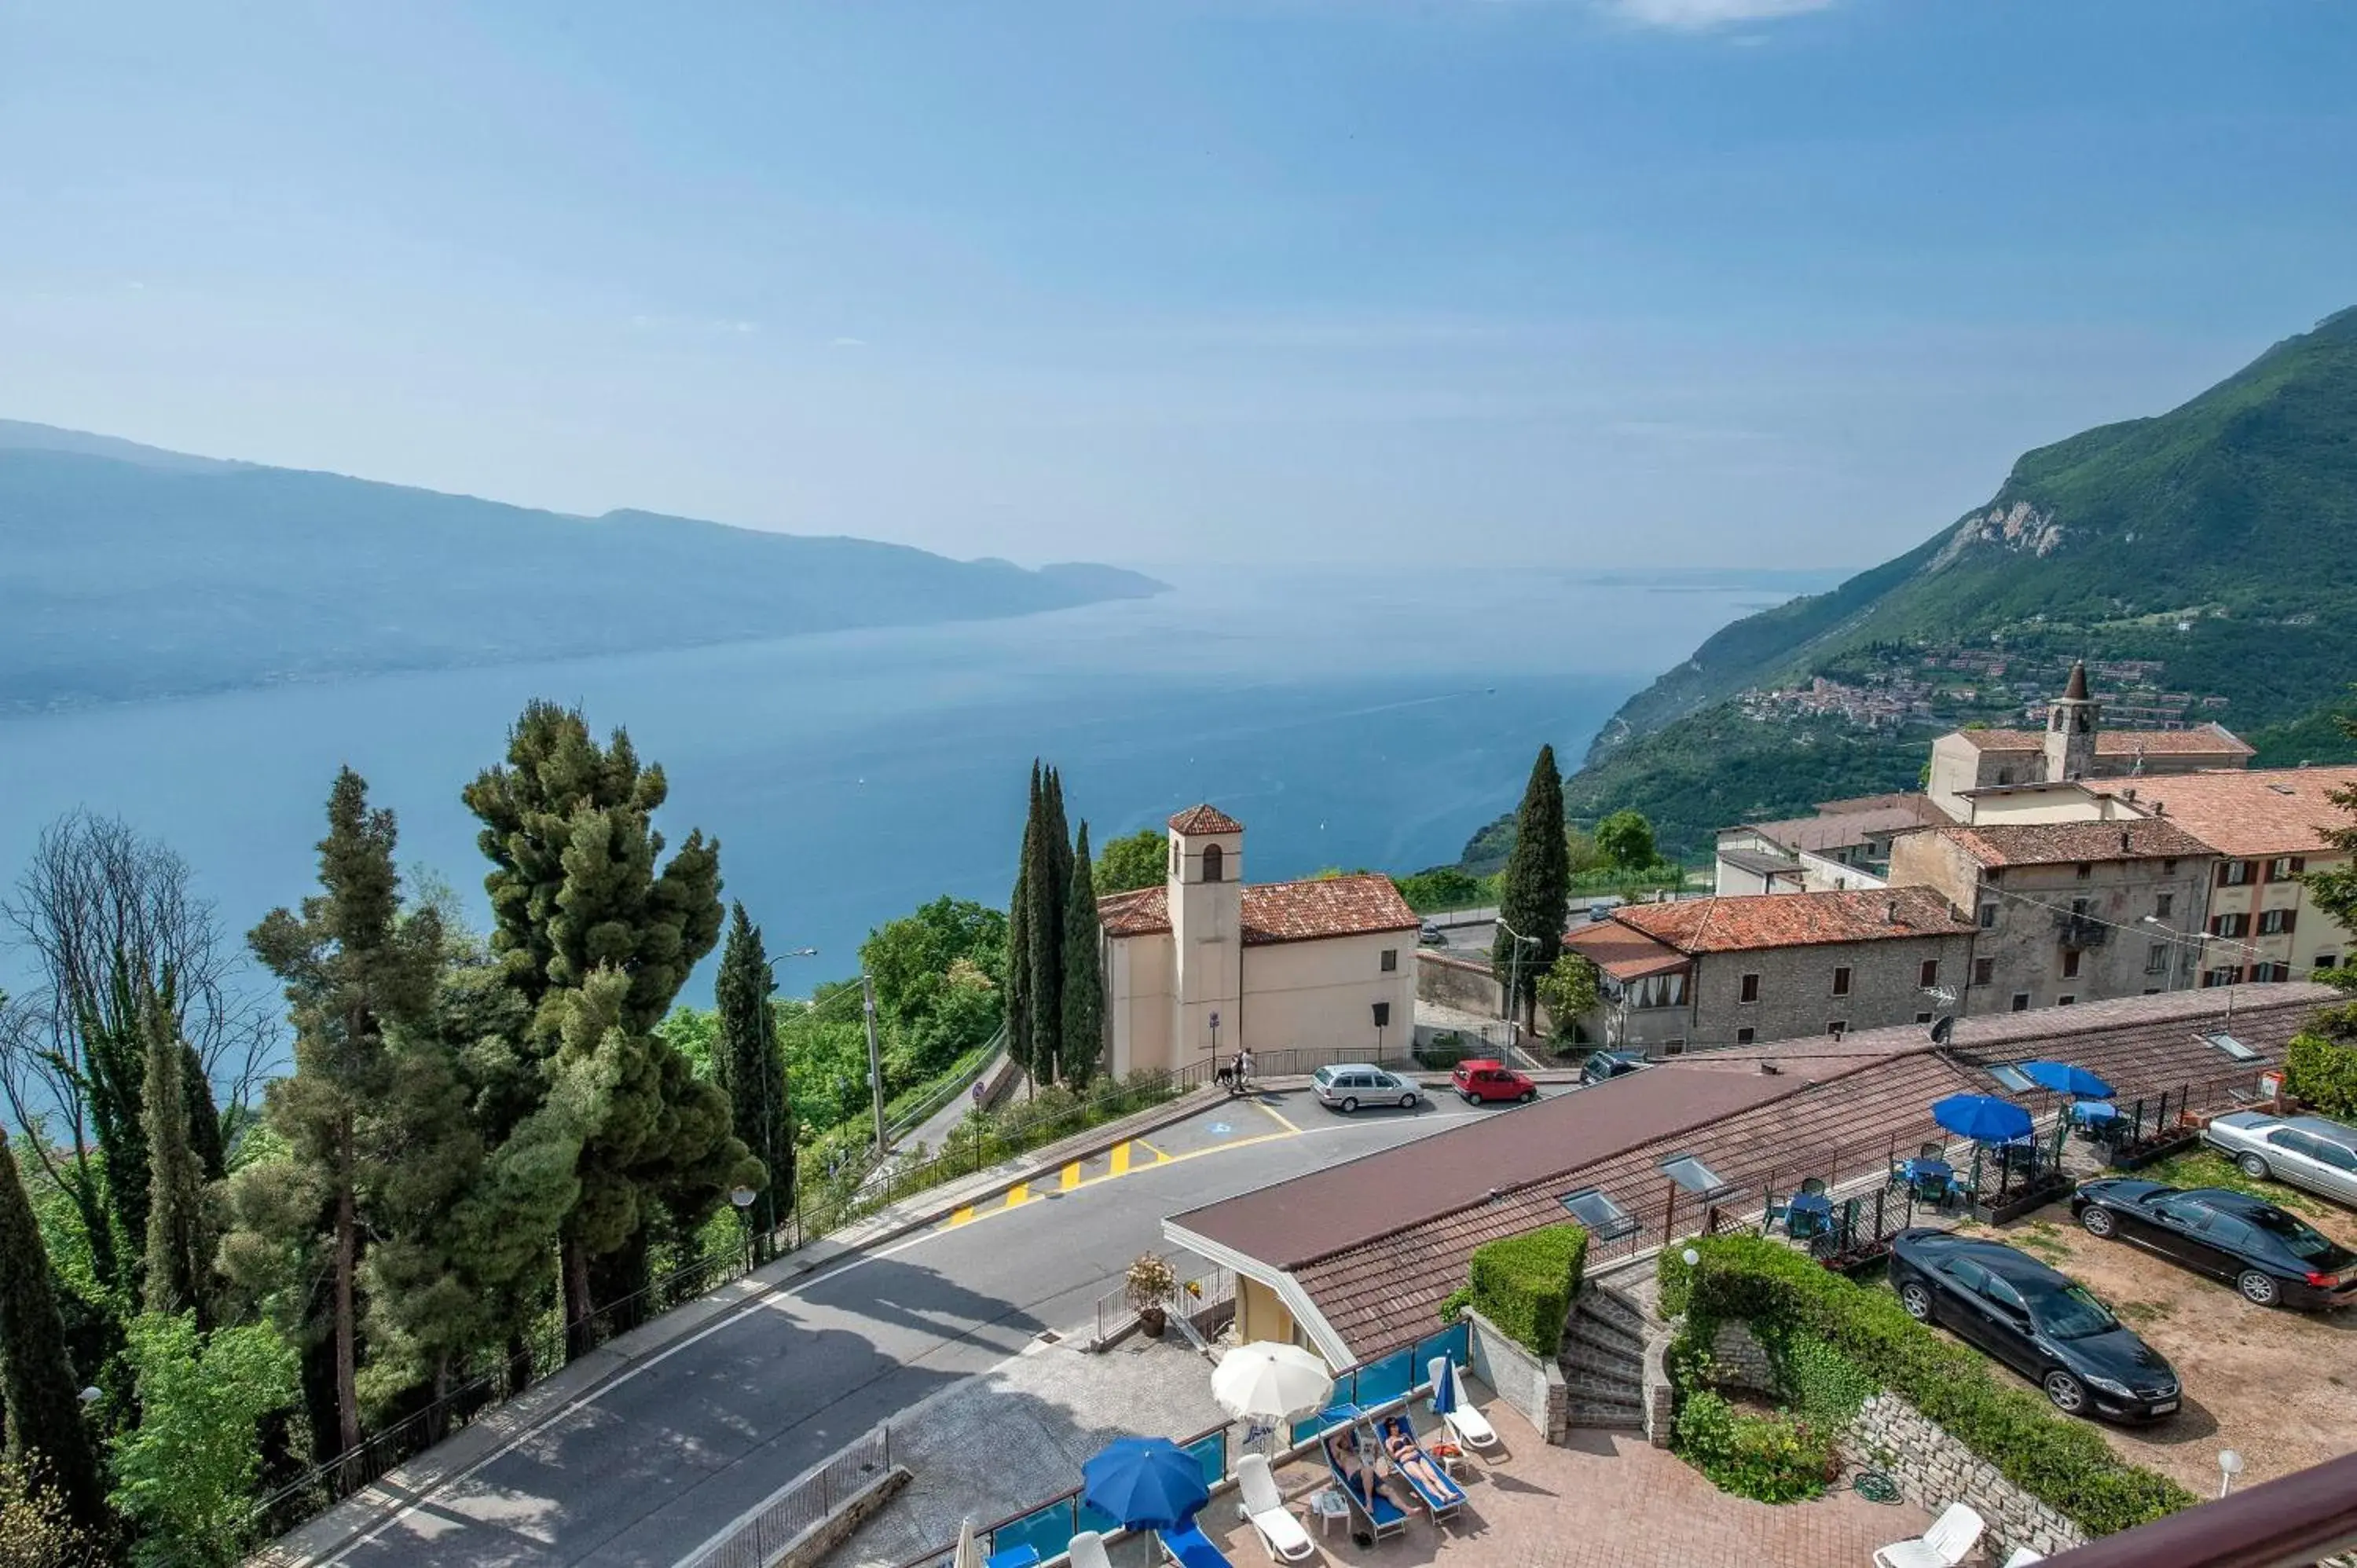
(2323, 1074)
(1525, 1284)
(2064, 1463)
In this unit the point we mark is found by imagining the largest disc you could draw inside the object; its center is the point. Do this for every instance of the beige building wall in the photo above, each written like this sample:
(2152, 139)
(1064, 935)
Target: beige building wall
(1957, 765)
(1320, 995)
(1262, 1318)
(1138, 1010)
(2049, 803)
(1205, 941)
(2273, 886)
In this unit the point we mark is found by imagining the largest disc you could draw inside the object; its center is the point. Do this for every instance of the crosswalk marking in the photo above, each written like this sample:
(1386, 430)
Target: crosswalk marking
(1071, 1178)
(1121, 1159)
(1019, 1195)
(962, 1216)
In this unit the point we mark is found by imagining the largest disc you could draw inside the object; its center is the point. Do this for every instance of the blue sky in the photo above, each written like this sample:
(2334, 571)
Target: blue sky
(1630, 282)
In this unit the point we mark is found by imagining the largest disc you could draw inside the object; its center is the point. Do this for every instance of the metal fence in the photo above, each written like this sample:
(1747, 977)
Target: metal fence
(801, 1505)
(1193, 1300)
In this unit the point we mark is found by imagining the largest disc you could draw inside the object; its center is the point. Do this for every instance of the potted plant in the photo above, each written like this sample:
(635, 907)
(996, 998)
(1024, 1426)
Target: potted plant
(1150, 1282)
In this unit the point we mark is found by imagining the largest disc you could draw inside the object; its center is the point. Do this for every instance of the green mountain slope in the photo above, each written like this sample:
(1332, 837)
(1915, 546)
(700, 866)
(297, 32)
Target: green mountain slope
(126, 572)
(2205, 553)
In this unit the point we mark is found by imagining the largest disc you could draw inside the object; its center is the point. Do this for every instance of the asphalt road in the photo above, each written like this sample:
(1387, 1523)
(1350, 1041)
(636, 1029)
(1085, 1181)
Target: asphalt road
(642, 1471)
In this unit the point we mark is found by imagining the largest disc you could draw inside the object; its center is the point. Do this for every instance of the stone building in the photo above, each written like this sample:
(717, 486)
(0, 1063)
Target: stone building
(1206, 964)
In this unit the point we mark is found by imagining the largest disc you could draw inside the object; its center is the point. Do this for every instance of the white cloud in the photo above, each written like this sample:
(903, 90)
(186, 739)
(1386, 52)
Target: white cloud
(1701, 16)
(848, 343)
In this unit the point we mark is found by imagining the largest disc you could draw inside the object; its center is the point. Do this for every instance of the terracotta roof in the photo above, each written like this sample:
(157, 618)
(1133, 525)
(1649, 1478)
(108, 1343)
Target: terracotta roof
(1795, 919)
(2076, 691)
(1924, 805)
(1205, 819)
(2204, 741)
(2059, 843)
(1378, 1243)
(1277, 911)
(1843, 829)
(1622, 952)
(2273, 810)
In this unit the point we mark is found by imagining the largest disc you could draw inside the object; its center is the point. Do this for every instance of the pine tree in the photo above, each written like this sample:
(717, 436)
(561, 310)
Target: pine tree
(1049, 880)
(36, 1381)
(1083, 1044)
(1537, 894)
(178, 1276)
(749, 1067)
(352, 967)
(1018, 938)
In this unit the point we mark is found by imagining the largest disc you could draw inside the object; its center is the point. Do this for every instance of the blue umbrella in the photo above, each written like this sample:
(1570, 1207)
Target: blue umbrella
(1444, 1385)
(1147, 1483)
(2064, 1079)
(1983, 1118)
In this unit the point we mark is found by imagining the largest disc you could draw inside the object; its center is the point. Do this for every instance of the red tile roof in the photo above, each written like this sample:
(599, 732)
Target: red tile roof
(1205, 819)
(1852, 825)
(2269, 812)
(1277, 911)
(1622, 952)
(2205, 741)
(1795, 919)
(2059, 843)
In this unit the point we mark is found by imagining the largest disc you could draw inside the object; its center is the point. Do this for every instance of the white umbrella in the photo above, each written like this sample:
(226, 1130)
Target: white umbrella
(969, 1550)
(1271, 1382)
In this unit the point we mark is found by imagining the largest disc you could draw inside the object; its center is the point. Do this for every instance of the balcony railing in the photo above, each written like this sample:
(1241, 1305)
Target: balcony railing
(2080, 930)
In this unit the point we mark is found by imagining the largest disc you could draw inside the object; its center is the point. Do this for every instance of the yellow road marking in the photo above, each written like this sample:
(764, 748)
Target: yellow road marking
(1274, 1117)
(962, 1216)
(1019, 1195)
(1159, 1155)
(1071, 1178)
(1119, 1159)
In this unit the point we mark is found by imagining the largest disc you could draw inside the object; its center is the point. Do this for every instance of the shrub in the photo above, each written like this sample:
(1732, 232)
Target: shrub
(2062, 1462)
(1526, 1283)
(1767, 1458)
(2323, 1074)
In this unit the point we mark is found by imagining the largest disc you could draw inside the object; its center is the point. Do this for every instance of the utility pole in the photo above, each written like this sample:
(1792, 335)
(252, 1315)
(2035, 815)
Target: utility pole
(875, 1062)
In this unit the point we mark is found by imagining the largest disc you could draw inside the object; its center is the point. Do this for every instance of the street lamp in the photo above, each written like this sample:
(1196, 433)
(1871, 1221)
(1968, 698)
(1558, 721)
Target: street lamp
(2229, 1464)
(1514, 986)
(742, 1196)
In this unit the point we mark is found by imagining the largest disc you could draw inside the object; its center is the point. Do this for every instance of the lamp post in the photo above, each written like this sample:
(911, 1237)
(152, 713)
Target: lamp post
(875, 1064)
(1514, 985)
(2201, 939)
(742, 1196)
(2229, 1464)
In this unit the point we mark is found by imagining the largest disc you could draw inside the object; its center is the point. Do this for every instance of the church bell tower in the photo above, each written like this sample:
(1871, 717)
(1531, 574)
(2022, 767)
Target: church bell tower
(1206, 887)
(2071, 722)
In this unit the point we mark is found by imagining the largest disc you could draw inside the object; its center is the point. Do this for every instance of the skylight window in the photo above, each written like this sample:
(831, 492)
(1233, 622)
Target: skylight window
(1605, 1219)
(2012, 1077)
(2222, 1041)
(1690, 1173)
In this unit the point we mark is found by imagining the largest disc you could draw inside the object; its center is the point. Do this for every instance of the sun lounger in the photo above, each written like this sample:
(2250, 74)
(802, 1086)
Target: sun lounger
(1189, 1547)
(1470, 1428)
(1264, 1508)
(1441, 1495)
(1382, 1515)
(1949, 1541)
(1088, 1550)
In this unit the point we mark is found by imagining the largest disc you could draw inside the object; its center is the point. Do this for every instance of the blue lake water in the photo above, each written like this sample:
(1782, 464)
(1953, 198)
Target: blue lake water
(1345, 720)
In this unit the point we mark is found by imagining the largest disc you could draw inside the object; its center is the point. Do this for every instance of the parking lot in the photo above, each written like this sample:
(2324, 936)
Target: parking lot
(2278, 1387)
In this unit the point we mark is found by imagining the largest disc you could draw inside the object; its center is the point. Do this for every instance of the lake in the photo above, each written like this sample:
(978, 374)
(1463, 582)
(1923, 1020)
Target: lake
(1346, 720)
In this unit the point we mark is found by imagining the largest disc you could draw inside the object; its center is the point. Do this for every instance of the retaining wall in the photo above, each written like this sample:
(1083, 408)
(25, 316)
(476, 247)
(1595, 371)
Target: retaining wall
(1533, 1387)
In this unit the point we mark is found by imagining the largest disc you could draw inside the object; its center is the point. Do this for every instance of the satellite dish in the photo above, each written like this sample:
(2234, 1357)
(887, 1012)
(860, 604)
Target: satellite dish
(1942, 1027)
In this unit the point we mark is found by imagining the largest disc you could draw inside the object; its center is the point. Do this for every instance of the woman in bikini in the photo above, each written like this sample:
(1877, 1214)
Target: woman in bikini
(1399, 1442)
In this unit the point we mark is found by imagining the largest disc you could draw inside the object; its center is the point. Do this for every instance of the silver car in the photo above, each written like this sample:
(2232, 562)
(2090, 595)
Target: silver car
(1349, 1085)
(2304, 1151)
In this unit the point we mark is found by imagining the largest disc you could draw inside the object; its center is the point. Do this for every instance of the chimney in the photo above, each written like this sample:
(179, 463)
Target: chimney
(1890, 912)
(2127, 840)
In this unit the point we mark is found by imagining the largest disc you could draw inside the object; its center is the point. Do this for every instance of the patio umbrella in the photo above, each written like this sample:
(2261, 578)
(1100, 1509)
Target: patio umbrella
(1444, 1385)
(969, 1550)
(1147, 1483)
(1983, 1118)
(2064, 1079)
(1270, 1382)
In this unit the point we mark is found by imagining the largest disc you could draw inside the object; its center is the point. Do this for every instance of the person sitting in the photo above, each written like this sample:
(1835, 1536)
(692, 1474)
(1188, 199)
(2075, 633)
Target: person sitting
(1399, 1442)
(1360, 1479)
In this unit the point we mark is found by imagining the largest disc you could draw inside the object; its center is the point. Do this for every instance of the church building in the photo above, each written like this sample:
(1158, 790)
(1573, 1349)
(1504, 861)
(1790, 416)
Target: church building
(1207, 963)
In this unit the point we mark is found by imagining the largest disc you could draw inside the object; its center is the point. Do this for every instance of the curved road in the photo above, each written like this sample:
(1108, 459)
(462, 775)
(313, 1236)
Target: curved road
(644, 1468)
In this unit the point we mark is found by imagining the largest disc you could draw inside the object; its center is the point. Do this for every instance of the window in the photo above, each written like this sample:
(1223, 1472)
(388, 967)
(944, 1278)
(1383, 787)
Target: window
(1690, 1173)
(1214, 864)
(1984, 970)
(2229, 925)
(1659, 991)
(1928, 975)
(2064, 1000)
(2077, 908)
(2169, 866)
(2328, 960)
(2156, 958)
(2163, 904)
(2270, 971)
(2234, 873)
(1391, 961)
(2012, 1077)
(2022, 1000)
(1751, 988)
(2224, 975)
(1837, 1029)
(1746, 1035)
(2001, 1292)
(1988, 916)
(2340, 1156)
(2004, 777)
(1922, 1017)
(1968, 1274)
(2083, 870)
(2069, 963)
(1604, 1219)
(2190, 1212)
(2274, 922)
(1840, 980)
(2287, 868)
(2222, 1041)
(1174, 857)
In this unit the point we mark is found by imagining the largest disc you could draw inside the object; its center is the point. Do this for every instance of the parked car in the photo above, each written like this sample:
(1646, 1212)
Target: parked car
(1431, 936)
(2272, 1257)
(1349, 1085)
(1483, 1079)
(2305, 1151)
(2043, 1324)
(1602, 1065)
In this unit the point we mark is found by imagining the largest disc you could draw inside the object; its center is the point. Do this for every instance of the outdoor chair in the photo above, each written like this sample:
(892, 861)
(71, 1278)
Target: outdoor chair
(1470, 1428)
(1088, 1550)
(1263, 1507)
(1186, 1545)
(2023, 1556)
(1949, 1541)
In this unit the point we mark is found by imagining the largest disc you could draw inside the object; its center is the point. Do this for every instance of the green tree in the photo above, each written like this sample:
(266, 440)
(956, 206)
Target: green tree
(579, 905)
(1535, 892)
(178, 1276)
(37, 1387)
(36, 1530)
(750, 1067)
(925, 966)
(1049, 882)
(1083, 1044)
(1439, 887)
(1134, 860)
(1626, 839)
(185, 1475)
(1569, 990)
(352, 967)
(1019, 938)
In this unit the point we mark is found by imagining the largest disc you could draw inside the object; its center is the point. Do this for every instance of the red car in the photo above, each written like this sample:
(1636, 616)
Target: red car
(1485, 1080)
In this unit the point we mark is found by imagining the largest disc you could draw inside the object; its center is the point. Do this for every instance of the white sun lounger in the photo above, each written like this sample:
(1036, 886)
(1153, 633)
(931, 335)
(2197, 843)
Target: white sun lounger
(1949, 1541)
(1088, 1550)
(1263, 1507)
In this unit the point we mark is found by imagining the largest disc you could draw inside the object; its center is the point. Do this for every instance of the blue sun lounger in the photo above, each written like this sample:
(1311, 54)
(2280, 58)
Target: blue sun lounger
(1441, 1495)
(1382, 1515)
(1189, 1547)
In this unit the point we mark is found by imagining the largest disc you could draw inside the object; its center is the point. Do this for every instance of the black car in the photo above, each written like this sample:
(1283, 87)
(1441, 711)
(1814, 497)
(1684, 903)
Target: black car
(1602, 1065)
(2043, 1324)
(2274, 1259)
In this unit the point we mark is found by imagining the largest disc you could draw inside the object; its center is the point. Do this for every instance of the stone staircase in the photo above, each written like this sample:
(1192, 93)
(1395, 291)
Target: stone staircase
(1603, 1360)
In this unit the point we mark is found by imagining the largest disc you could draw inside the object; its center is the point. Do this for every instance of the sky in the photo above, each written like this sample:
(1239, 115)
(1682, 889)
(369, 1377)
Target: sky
(1629, 282)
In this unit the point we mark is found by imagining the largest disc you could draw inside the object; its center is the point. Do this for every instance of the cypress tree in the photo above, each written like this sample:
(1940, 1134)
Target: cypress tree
(1018, 938)
(749, 1067)
(1536, 894)
(179, 1232)
(114, 1063)
(1083, 1046)
(36, 1381)
(1050, 878)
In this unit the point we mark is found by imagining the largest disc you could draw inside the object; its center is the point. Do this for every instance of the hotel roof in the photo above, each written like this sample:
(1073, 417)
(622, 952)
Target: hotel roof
(2270, 811)
(1277, 911)
(1795, 919)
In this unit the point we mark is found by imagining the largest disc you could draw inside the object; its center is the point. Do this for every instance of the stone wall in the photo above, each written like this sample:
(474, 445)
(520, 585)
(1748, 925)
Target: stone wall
(1533, 1387)
(1738, 1360)
(1455, 982)
(1934, 1469)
